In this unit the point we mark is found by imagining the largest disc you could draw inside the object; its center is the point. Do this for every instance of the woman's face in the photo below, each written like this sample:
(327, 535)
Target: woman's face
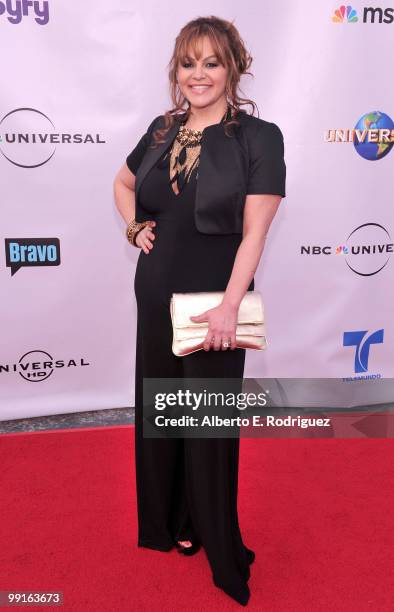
(202, 81)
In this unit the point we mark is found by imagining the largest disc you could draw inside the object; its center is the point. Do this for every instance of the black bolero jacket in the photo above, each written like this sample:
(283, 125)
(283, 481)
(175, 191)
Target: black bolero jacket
(250, 161)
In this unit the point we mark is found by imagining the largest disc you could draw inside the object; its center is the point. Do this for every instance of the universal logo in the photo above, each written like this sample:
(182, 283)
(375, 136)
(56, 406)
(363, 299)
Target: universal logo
(366, 251)
(362, 342)
(36, 366)
(348, 14)
(28, 138)
(16, 10)
(28, 252)
(372, 136)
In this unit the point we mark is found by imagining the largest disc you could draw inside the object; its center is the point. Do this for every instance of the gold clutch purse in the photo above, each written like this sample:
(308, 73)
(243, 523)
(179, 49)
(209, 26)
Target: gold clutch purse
(189, 336)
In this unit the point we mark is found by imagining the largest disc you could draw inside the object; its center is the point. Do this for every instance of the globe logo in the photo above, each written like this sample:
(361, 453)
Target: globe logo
(375, 120)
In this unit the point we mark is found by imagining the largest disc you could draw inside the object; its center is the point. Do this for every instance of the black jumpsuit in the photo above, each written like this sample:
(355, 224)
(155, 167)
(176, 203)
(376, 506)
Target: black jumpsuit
(186, 488)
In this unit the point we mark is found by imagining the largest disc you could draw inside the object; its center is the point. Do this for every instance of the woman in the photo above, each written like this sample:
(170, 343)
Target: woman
(198, 194)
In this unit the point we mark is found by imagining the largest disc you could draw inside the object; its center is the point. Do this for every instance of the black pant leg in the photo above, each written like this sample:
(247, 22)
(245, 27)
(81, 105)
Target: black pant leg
(212, 482)
(159, 462)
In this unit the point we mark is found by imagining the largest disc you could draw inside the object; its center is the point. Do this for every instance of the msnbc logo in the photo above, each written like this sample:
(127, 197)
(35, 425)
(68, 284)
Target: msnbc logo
(345, 13)
(367, 14)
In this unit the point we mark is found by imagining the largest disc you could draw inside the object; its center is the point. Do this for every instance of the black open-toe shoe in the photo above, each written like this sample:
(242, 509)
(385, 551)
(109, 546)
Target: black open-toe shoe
(188, 550)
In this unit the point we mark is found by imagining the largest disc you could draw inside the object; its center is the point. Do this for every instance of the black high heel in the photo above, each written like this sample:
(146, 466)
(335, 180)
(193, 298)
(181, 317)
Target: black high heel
(188, 551)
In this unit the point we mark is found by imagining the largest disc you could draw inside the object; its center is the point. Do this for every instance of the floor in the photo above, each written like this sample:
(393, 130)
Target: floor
(91, 418)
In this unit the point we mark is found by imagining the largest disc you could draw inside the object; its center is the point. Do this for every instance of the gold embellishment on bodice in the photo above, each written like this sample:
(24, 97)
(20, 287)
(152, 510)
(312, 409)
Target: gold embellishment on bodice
(184, 157)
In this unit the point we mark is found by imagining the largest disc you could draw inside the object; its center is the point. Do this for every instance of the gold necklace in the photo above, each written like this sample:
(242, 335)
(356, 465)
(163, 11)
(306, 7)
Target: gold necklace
(185, 156)
(189, 136)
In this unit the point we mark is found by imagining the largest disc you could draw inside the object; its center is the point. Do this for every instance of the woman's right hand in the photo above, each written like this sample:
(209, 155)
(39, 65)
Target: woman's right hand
(145, 236)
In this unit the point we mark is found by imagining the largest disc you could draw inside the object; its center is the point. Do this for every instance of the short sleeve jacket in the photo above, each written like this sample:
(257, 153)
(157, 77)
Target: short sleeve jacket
(248, 161)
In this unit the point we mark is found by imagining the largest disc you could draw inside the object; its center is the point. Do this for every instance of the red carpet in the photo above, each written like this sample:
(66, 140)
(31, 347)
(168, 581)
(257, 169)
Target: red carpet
(318, 513)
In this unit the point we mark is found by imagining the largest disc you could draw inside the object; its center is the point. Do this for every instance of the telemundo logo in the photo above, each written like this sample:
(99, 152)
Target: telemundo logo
(362, 344)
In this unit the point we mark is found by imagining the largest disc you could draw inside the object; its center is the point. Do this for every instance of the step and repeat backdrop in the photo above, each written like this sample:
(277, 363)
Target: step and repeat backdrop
(80, 84)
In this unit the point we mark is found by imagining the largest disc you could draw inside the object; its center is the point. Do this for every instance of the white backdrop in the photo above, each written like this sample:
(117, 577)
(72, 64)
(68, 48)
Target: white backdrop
(98, 69)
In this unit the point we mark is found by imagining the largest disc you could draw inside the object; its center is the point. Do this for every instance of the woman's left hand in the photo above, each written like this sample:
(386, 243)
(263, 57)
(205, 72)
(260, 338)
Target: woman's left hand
(222, 325)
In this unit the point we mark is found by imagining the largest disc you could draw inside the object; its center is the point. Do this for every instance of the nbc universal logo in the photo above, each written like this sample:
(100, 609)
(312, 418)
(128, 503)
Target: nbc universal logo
(368, 14)
(366, 251)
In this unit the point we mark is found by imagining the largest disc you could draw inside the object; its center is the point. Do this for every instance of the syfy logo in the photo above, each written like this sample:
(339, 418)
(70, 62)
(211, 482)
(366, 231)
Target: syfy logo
(16, 10)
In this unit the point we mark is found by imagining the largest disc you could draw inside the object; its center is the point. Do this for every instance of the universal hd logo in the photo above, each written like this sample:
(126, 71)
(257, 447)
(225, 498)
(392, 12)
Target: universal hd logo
(39, 365)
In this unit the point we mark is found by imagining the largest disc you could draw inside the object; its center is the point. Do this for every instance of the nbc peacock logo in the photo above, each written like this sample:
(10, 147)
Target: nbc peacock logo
(345, 14)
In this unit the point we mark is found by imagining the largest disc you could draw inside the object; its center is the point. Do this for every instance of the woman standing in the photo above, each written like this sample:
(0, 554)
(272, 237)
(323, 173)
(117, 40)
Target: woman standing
(198, 193)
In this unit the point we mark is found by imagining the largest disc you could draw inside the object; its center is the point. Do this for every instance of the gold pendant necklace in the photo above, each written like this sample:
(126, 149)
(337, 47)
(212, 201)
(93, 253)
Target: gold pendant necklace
(185, 156)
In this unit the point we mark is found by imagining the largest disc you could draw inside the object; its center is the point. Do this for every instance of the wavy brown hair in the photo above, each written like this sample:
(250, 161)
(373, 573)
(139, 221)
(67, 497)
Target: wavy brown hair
(230, 51)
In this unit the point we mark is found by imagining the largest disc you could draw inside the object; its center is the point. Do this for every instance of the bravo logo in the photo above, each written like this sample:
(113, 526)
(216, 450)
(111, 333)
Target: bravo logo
(27, 252)
(16, 10)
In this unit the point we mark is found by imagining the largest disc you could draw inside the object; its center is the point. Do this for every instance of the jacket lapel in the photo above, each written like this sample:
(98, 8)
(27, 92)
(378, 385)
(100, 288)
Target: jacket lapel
(152, 156)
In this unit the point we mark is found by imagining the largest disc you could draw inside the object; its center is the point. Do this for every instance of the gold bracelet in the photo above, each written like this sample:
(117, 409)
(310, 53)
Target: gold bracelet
(132, 230)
